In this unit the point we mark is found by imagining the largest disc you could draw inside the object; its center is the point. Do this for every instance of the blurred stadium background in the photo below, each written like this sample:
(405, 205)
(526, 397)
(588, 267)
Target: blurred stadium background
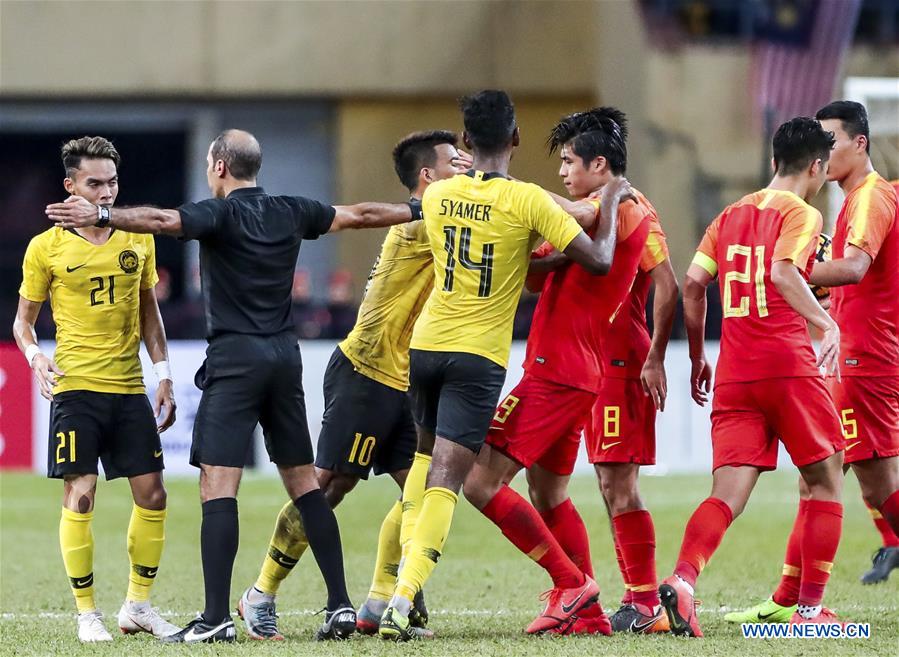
(329, 87)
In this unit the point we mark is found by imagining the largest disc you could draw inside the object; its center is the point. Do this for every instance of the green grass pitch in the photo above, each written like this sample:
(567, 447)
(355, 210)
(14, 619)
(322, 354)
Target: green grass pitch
(482, 594)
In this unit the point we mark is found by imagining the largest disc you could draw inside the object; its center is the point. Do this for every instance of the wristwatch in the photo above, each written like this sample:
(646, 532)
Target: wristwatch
(103, 217)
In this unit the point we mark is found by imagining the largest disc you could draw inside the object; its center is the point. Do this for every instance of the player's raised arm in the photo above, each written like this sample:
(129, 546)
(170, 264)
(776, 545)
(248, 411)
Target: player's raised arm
(848, 270)
(374, 215)
(78, 212)
(596, 255)
(544, 259)
(584, 212)
(664, 305)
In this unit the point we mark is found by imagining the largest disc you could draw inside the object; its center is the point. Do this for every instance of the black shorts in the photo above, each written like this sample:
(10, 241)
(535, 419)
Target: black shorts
(117, 429)
(250, 379)
(454, 394)
(366, 424)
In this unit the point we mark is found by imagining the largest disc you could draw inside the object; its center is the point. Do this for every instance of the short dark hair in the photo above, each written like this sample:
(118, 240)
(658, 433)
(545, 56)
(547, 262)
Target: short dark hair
(92, 148)
(798, 143)
(853, 117)
(240, 152)
(601, 131)
(489, 119)
(416, 151)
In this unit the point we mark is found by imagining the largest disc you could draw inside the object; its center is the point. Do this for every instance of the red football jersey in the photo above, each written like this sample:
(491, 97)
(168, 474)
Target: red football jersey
(762, 337)
(575, 308)
(628, 339)
(868, 313)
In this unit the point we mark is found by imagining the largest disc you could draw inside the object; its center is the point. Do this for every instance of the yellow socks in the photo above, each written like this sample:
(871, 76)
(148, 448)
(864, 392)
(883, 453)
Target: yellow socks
(431, 531)
(146, 537)
(387, 562)
(284, 551)
(77, 544)
(413, 492)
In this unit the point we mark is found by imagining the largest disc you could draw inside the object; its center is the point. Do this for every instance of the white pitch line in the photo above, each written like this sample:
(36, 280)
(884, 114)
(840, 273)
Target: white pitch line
(437, 612)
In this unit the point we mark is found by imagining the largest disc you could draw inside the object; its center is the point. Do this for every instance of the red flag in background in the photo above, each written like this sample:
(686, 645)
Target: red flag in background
(16, 407)
(796, 61)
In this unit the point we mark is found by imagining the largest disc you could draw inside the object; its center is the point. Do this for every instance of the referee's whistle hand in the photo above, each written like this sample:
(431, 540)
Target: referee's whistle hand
(74, 212)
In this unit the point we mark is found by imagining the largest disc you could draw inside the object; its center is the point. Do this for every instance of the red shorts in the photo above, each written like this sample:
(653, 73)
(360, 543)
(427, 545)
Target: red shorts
(541, 422)
(623, 426)
(748, 419)
(869, 410)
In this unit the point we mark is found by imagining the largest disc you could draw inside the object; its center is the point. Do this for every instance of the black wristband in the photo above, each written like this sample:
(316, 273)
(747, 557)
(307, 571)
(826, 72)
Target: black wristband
(103, 217)
(415, 208)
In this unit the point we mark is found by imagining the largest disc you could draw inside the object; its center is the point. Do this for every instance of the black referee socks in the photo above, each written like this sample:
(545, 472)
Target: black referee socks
(219, 535)
(323, 535)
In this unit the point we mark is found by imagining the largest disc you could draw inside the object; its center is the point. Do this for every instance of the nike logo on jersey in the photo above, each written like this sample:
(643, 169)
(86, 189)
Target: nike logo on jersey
(71, 269)
(568, 608)
(851, 445)
(608, 445)
(157, 454)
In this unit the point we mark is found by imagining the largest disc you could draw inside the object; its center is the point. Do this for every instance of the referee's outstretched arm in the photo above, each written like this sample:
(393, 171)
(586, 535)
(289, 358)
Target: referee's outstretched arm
(76, 212)
(374, 215)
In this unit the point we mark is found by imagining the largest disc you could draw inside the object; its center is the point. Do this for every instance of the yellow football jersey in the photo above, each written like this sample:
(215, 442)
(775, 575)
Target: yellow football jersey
(481, 227)
(399, 285)
(94, 293)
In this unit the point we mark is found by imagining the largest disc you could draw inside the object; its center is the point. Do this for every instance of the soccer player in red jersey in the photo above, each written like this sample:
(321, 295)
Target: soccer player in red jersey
(762, 247)
(886, 558)
(540, 421)
(619, 442)
(864, 277)
(621, 434)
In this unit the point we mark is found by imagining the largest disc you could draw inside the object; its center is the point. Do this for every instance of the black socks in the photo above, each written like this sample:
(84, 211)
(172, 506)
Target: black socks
(219, 536)
(323, 535)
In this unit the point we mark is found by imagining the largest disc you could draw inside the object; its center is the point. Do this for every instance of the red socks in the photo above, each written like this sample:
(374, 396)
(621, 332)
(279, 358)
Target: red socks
(889, 512)
(702, 537)
(628, 596)
(523, 526)
(887, 535)
(820, 529)
(635, 538)
(787, 593)
(568, 527)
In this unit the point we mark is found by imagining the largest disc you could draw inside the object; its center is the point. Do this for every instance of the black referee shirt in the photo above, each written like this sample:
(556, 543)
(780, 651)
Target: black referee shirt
(249, 243)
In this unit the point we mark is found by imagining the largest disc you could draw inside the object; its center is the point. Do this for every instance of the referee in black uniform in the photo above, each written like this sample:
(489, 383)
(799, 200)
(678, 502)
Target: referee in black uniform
(249, 243)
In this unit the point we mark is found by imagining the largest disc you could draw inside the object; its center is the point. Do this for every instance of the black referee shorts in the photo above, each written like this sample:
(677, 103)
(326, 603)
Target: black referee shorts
(248, 379)
(454, 394)
(367, 425)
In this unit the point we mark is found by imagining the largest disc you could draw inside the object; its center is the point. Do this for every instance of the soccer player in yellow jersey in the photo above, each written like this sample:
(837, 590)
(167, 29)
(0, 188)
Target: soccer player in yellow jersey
(367, 422)
(481, 227)
(100, 284)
